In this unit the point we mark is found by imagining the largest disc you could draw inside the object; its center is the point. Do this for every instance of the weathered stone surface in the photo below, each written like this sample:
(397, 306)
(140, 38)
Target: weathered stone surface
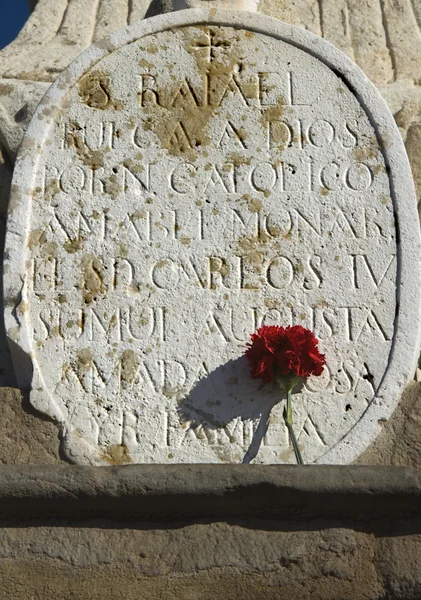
(207, 555)
(25, 437)
(160, 492)
(383, 37)
(103, 561)
(398, 562)
(250, 5)
(366, 31)
(207, 561)
(158, 238)
(400, 442)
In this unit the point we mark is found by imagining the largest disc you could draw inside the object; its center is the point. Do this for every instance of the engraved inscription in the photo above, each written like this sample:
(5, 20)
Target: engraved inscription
(204, 182)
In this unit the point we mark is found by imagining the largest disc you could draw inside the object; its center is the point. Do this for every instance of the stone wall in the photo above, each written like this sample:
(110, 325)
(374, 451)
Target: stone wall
(244, 532)
(383, 37)
(363, 539)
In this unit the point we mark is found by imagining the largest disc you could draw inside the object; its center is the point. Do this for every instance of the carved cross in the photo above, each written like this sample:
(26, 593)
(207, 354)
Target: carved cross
(211, 45)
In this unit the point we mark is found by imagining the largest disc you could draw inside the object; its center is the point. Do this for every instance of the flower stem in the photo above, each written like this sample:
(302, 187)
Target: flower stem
(288, 423)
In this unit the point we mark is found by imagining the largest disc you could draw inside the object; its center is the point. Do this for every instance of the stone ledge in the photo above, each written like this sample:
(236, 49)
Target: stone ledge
(162, 492)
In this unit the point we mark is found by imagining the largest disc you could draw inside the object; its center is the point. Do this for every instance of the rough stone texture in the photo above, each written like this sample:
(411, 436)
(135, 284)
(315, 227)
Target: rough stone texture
(67, 555)
(400, 441)
(247, 561)
(383, 37)
(164, 492)
(98, 560)
(135, 313)
(27, 439)
(25, 436)
(398, 563)
(101, 560)
(250, 5)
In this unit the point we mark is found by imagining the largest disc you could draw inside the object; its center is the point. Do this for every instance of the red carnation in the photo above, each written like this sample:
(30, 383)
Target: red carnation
(284, 351)
(286, 355)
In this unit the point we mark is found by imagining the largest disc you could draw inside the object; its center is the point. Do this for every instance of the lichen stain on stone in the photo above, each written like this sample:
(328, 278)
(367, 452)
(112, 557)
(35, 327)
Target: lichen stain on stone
(181, 119)
(181, 130)
(129, 367)
(152, 49)
(6, 89)
(42, 76)
(51, 189)
(123, 250)
(91, 158)
(85, 358)
(139, 214)
(271, 303)
(219, 265)
(272, 115)
(28, 148)
(321, 303)
(299, 267)
(92, 279)
(72, 246)
(15, 197)
(287, 455)
(378, 169)
(146, 64)
(254, 205)
(135, 167)
(105, 44)
(23, 308)
(36, 238)
(239, 160)
(112, 186)
(229, 453)
(47, 112)
(14, 333)
(367, 152)
(254, 248)
(94, 90)
(117, 454)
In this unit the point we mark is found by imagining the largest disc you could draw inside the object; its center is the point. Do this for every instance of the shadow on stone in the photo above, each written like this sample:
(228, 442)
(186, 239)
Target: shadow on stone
(226, 395)
(7, 374)
(23, 365)
(158, 7)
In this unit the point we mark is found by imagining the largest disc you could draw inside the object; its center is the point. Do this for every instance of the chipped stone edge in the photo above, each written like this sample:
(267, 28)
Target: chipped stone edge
(404, 354)
(164, 491)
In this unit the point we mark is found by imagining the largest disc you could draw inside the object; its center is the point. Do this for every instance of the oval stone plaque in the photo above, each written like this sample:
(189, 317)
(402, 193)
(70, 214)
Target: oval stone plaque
(182, 183)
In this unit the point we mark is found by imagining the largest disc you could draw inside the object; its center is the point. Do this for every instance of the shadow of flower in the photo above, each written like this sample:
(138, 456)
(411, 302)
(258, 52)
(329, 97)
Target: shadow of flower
(227, 394)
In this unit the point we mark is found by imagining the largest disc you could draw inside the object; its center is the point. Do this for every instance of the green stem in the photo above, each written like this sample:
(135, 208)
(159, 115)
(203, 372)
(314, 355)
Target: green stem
(289, 406)
(288, 423)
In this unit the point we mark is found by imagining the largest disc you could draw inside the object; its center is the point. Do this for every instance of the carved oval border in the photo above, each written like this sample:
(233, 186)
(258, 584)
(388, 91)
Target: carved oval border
(405, 347)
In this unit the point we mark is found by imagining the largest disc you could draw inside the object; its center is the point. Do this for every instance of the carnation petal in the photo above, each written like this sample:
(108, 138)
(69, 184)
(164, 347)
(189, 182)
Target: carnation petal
(291, 350)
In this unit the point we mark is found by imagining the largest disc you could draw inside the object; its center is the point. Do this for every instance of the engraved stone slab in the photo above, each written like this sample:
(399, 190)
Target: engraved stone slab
(182, 183)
